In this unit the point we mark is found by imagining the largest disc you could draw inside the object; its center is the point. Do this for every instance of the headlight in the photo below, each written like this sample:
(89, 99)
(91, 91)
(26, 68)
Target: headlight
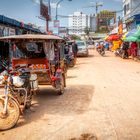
(1, 79)
(17, 81)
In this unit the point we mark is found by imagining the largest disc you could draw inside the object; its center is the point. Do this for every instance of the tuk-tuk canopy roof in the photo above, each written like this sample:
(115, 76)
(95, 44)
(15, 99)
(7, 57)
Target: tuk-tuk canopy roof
(31, 36)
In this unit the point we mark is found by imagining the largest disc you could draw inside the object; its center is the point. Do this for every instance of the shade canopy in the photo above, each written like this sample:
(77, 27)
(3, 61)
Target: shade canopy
(132, 39)
(113, 37)
(31, 36)
(137, 34)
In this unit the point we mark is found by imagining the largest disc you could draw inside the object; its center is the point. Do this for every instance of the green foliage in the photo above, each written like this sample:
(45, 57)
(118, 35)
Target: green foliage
(87, 31)
(75, 37)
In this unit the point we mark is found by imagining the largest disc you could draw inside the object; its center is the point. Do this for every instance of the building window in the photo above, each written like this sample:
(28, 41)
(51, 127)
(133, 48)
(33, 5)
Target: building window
(127, 7)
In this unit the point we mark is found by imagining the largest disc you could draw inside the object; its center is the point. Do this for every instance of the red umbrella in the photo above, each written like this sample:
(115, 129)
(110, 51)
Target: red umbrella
(113, 37)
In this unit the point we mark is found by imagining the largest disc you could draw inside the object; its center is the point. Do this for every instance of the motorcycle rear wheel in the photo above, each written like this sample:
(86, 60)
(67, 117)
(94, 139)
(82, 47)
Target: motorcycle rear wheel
(11, 118)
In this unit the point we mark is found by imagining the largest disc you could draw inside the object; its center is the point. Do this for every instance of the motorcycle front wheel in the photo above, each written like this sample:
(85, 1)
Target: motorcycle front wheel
(11, 117)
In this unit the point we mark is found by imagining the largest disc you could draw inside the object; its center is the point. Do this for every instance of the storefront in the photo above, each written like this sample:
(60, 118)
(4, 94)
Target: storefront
(133, 22)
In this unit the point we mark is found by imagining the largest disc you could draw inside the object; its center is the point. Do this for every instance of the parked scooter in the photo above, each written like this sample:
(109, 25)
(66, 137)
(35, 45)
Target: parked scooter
(17, 96)
(118, 52)
(122, 51)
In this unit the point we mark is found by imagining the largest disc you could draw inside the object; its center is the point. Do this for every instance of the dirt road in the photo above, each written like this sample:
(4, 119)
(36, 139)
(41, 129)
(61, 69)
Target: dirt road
(102, 101)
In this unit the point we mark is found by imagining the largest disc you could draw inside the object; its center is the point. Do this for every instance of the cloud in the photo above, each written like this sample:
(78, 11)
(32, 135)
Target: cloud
(118, 0)
(36, 1)
(53, 5)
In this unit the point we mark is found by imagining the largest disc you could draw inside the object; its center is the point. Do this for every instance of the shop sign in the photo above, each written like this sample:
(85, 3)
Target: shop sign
(12, 31)
(56, 23)
(6, 31)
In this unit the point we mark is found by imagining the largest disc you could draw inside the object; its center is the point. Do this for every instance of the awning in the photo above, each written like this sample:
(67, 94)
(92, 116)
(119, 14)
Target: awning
(113, 37)
(132, 39)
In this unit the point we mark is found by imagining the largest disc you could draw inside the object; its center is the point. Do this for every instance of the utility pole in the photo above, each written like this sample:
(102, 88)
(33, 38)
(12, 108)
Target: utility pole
(45, 13)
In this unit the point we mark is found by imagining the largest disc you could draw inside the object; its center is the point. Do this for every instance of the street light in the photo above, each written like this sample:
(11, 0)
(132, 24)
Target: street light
(96, 5)
(56, 17)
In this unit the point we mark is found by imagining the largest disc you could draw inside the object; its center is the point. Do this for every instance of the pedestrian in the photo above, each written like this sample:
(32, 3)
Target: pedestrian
(74, 50)
(66, 49)
(134, 48)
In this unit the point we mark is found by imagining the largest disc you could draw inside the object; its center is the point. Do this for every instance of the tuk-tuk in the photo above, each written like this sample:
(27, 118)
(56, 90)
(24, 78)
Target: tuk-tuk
(42, 57)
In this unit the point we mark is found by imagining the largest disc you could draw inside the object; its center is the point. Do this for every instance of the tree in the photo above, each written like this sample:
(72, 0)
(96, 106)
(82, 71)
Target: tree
(87, 31)
(75, 37)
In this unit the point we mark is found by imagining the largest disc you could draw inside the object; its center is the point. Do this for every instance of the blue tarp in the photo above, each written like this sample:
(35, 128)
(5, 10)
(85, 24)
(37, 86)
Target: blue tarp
(132, 32)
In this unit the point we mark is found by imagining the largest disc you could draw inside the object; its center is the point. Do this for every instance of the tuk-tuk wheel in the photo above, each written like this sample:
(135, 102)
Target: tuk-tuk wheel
(63, 84)
(28, 105)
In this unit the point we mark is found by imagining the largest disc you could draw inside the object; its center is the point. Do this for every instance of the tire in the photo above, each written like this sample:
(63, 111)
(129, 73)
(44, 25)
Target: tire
(102, 53)
(62, 85)
(123, 56)
(28, 105)
(72, 63)
(29, 98)
(9, 120)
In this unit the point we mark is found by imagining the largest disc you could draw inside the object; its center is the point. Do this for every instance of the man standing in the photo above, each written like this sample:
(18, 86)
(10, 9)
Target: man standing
(74, 50)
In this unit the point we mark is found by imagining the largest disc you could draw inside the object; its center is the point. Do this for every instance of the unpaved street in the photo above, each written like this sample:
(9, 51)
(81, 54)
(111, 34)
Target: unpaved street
(102, 99)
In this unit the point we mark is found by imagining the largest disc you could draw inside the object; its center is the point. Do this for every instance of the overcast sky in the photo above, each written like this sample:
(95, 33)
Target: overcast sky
(28, 10)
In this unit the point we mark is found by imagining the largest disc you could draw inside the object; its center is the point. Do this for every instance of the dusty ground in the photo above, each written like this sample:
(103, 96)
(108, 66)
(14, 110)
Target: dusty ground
(102, 101)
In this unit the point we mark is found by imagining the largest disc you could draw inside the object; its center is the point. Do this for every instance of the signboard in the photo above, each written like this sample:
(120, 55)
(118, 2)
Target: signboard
(63, 31)
(12, 31)
(44, 11)
(6, 31)
(120, 28)
(56, 23)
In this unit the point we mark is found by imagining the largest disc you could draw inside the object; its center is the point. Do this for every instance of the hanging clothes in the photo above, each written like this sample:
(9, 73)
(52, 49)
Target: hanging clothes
(133, 49)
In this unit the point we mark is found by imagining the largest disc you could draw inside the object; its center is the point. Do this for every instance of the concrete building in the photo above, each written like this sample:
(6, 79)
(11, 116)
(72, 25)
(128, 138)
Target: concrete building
(131, 8)
(77, 23)
(92, 22)
(131, 14)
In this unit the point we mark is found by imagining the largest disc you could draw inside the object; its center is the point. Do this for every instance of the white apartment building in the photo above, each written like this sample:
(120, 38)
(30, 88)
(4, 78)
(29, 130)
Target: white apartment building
(131, 7)
(77, 23)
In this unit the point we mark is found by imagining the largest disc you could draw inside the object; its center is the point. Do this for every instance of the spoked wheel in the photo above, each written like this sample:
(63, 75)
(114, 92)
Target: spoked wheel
(62, 85)
(9, 119)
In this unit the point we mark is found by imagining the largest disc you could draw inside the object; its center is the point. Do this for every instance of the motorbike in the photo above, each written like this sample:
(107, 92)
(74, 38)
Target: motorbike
(121, 53)
(17, 96)
(101, 51)
(69, 58)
